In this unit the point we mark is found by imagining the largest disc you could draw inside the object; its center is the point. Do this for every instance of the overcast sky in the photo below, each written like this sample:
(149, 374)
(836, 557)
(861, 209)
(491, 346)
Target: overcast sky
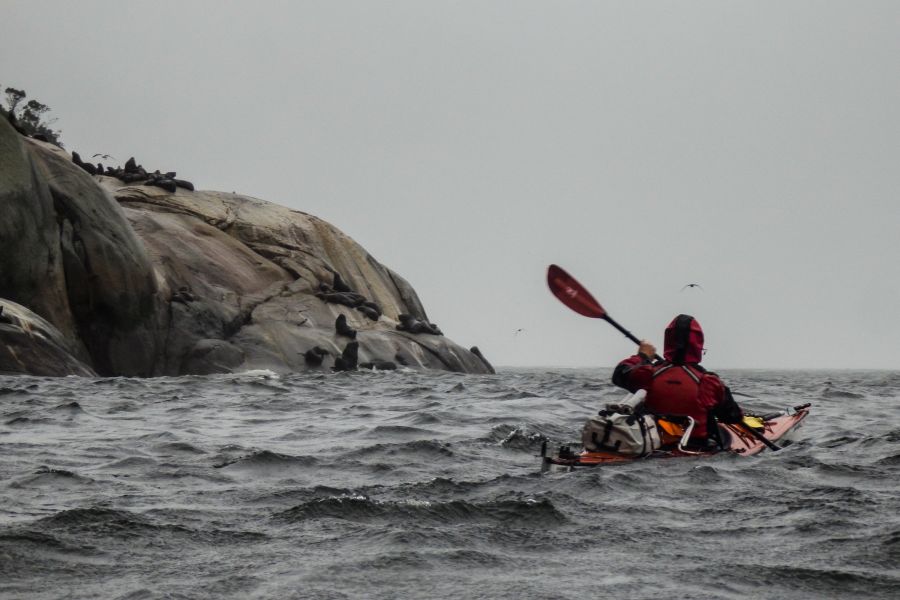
(750, 147)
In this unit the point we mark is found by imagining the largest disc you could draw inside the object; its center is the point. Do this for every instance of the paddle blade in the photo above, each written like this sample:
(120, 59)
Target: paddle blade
(572, 294)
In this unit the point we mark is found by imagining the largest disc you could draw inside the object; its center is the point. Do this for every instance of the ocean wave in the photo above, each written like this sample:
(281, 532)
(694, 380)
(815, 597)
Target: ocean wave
(518, 437)
(266, 459)
(822, 581)
(464, 557)
(424, 417)
(72, 407)
(23, 421)
(178, 448)
(8, 391)
(98, 520)
(512, 394)
(130, 463)
(889, 461)
(832, 393)
(533, 512)
(254, 374)
(47, 476)
(390, 431)
(20, 537)
(421, 449)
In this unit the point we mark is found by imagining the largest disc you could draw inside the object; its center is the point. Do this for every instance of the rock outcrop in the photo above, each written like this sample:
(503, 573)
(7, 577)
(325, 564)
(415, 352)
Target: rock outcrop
(144, 280)
(30, 345)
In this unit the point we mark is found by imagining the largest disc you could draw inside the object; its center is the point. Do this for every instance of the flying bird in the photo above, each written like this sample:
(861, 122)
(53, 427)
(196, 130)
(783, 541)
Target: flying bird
(691, 285)
(519, 329)
(105, 156)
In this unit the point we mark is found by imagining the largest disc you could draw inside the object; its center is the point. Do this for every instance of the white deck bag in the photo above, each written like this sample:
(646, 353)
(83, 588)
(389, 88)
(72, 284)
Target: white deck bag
(622, 427)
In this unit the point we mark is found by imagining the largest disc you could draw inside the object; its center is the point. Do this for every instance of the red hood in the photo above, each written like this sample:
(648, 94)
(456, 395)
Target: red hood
(684, 340)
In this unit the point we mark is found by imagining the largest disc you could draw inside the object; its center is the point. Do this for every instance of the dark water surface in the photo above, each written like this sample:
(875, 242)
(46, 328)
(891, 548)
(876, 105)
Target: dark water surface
(426, 485)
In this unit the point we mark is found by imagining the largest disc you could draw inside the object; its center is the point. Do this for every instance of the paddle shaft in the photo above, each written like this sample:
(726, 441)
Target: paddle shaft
(769, 443)
(626, 333)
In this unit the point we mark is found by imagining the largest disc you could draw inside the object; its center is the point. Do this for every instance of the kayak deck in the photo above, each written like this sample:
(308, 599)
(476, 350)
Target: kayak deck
(736, 440)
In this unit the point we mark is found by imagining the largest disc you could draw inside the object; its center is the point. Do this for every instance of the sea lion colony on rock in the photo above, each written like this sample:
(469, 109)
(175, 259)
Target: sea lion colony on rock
(135, 173)
(341, 293)
(130, 173)
(337, 292)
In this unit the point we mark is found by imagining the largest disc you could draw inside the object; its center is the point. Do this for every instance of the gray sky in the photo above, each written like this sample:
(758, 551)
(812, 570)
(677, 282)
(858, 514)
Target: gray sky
(752, 147)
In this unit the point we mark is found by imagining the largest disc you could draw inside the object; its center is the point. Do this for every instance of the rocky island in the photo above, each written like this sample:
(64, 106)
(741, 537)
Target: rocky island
(121, 272)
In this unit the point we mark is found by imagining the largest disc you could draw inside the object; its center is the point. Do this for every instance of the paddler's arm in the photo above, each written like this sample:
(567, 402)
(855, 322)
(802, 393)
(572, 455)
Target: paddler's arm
(714, 395)
(634, 372)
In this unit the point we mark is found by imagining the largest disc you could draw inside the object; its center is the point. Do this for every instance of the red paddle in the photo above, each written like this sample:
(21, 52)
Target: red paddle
(571, 293)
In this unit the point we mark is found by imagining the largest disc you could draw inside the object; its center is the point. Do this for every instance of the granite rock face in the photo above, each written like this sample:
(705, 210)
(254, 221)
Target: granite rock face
(141, 281)
(32, 346)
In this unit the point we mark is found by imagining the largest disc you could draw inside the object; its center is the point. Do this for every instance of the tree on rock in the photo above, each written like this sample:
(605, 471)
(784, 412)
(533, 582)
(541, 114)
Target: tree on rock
(29, 118)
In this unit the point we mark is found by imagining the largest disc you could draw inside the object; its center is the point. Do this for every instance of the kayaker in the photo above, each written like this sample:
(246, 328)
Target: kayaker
(678, 385)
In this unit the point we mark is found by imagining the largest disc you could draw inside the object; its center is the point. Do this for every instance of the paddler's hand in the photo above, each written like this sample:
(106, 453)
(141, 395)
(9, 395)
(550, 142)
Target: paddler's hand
(647, 350)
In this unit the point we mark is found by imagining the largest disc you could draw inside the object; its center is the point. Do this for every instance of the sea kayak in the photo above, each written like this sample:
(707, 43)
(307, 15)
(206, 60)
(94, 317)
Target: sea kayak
(737, 439)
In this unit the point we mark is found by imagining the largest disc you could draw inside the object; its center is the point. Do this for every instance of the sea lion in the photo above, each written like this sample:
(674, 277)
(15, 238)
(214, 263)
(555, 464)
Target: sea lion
(369, 312)
(131, 165)
(373, 305)
(348, 359)
(166, 184)
(340, 285)
(86, 166)
(350, 299)
(184, 184)
(379, 365)
(314, 356)
(131, 177)
(341, 327)
(407, 322)
(413, 325)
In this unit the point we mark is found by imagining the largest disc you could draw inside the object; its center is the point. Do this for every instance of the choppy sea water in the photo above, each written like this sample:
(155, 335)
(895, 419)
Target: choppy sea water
(426, 485)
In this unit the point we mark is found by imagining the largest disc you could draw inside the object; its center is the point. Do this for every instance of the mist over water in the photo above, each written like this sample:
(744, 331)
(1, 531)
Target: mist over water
(426, 485)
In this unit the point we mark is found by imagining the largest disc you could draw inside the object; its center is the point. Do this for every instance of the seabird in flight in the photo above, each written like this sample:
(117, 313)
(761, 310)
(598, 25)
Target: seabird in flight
(691, 285)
